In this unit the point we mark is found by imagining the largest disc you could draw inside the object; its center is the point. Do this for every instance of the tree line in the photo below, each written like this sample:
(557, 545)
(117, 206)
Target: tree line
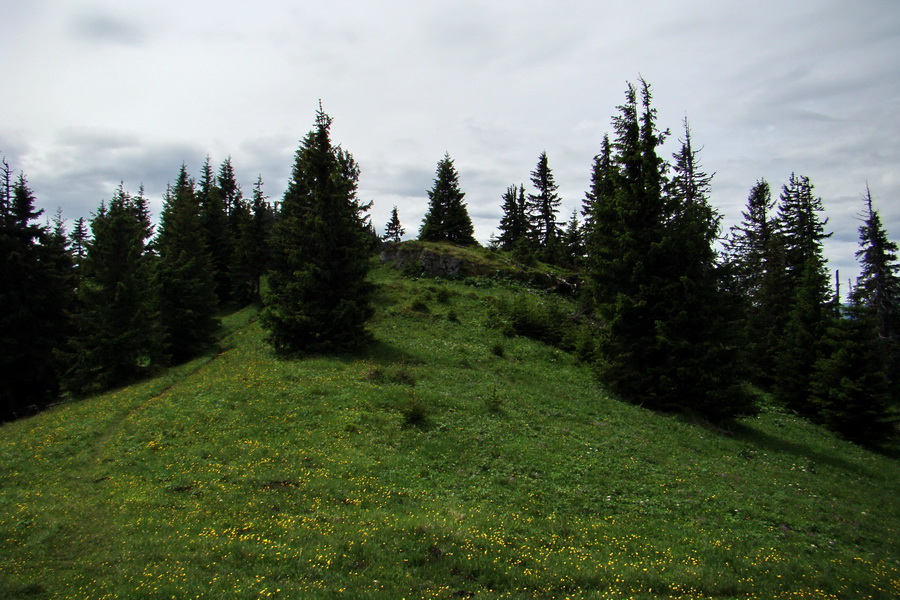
(117, 298)
(684, 317)
(674, 322)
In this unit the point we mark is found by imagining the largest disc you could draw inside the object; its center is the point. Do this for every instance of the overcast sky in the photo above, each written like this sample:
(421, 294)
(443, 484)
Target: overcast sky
(98, 92)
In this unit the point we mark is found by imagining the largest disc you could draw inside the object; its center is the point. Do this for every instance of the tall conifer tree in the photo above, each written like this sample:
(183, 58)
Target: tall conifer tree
(447, 218)
(37, 288)
(319, 298)
(515, 224)
(216, 232)
(116, 337)
(653, 273)
(188, 301)
(801, 230)
(543, 209)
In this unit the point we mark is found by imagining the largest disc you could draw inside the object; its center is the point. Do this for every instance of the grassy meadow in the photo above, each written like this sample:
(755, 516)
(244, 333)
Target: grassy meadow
(446, 460)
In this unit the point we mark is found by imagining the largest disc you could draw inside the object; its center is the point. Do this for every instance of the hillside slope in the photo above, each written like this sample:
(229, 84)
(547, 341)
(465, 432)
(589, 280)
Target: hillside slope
(444, 461)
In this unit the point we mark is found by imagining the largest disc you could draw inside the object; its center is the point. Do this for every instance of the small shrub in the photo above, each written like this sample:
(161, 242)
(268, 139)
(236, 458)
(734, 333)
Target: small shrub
(494, 403)
(418, 305)
(402, 376)
(452, 316)
(498, 350)
(415, 412)
(442, 295)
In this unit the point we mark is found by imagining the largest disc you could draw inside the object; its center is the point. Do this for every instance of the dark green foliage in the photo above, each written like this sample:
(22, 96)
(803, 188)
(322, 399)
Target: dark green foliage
(547, 319)
(187, 299)
(319, 298)
(664, 340)
(572, 242)
(36, 282)
(216, 232)
(251, 257)
(543, 209)
(877, 288)
(801, 232)
(515, 225)
(79, 239)
(850, 390)
(697, 332)
(755, 261)
(116, 337)
(393, 231)
(447, 219)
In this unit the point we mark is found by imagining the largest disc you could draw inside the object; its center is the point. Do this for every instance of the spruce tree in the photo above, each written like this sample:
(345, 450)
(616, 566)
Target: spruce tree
(319, 299)
(252, 249)
(603, 187)
(543, 209)
(447, 218)
(515, 224)
(572, 241)
(850, 391)
(877, 289)
(116, 335)
(625, 261)
(697, 331)
(187, 299)
(393, 231)
(664, 339)
(216, 232)
(37, 288)
(801, 231)
(755, 261)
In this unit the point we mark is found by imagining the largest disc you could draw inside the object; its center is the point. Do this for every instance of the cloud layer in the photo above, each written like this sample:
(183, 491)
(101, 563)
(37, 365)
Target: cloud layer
(107, 93)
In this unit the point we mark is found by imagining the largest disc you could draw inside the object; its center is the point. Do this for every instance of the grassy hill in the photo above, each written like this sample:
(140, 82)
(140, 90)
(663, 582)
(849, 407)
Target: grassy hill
(445, 461)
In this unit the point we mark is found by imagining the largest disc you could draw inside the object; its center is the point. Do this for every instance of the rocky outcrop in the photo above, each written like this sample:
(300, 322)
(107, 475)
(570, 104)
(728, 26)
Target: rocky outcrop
(430, 263)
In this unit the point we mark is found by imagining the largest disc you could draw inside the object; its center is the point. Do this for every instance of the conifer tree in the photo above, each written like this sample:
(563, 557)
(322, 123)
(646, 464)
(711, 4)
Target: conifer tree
(543, 209)
(319, 298)
(252, 251)
(626, 229)
(653, 273)
(697, 331)
(572, 241)
(187, 300)
(216, 232)
(36, 283)
(393, 231)
(802, 231)
(878, 285)
(877, 290)
(755, 261)
(116, 335)
(599, 197)
(850, 391)
(79, 239)
(515, 224)
(447, 218)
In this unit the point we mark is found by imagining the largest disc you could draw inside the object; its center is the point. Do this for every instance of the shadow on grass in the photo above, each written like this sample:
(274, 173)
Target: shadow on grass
(771, 443)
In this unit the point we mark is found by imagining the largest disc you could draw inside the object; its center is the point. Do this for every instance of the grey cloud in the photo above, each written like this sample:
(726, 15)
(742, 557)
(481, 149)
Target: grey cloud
(100, 25)
(84, 168)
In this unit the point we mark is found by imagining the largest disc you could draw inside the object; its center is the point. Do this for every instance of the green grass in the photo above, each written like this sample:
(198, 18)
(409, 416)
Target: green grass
(445, 461)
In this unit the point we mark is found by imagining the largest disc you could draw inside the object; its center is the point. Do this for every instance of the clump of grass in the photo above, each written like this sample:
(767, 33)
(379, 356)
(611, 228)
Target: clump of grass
(399, 375)
(452, 316)
(498, 350)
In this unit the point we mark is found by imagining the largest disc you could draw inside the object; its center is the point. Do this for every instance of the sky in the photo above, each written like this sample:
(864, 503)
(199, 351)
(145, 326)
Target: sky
(103, 92)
